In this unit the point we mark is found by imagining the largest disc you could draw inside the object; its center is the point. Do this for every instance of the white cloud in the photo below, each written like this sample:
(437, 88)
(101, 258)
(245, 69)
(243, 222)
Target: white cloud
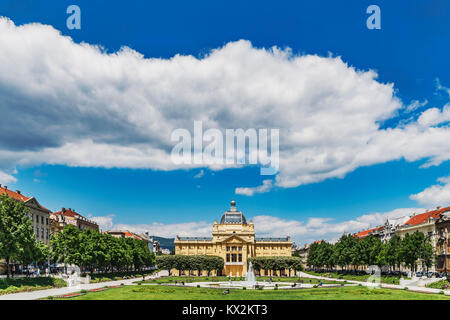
(81, 106)
(6, 178)
(200, 174)
(436, 195)
(415, 104)
(440, 87)
(265, 187)
(193, 229)
(104, 222)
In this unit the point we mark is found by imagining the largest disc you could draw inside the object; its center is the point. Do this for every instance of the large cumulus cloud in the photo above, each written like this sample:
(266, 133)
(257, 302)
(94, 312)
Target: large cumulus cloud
(75, 104)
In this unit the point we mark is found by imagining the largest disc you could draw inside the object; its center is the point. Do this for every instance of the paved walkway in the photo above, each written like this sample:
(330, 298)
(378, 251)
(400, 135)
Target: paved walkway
(382, 285)
(66, 290)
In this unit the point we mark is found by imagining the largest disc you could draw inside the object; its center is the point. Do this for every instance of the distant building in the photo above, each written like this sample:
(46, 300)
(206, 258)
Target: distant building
(39, 215)
(73, 218)
(365, 233)
(234, 240)
(124, 234)
(443, 241)
(303, 253)
(426, 223)
(153, 244)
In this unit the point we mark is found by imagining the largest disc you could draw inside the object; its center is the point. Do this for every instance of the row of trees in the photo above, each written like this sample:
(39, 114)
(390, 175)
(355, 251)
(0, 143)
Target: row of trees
(88, 249)
(270, 264)
(17, 241)
(92, 250)
(190, 263)
(352, 253)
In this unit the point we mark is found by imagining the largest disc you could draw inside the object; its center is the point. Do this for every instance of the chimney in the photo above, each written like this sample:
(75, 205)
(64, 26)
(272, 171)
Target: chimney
(18, 191)
(438, 208)
(63, 210)
(6, 187)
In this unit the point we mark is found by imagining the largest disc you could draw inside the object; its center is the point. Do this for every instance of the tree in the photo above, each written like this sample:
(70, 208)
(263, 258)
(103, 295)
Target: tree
(393, 258)
(16, 232)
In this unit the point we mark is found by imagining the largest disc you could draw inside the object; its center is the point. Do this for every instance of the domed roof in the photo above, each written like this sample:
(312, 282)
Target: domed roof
(233, 216)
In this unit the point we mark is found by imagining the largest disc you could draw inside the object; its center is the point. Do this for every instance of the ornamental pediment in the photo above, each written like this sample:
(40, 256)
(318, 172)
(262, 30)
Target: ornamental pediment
(233, 239)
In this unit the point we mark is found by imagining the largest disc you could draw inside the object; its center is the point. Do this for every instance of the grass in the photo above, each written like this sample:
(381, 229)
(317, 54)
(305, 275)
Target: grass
(14, 285)
(442, 284)
(192, 293)
(355, 277)
(189, 279)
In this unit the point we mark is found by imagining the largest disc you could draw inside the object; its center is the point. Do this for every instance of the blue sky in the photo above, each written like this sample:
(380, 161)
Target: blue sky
(410, 51)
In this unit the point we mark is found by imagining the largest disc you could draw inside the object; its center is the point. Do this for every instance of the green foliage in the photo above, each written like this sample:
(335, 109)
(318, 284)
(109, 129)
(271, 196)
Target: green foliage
(350, 251)
(90, 249)
(17, 240)
(14, 285)
(190, 263)
(276, 263)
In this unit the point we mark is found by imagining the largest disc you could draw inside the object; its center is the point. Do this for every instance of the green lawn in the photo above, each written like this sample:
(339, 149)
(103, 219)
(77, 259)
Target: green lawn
(186, 279)
(363, 278)
(143, 292)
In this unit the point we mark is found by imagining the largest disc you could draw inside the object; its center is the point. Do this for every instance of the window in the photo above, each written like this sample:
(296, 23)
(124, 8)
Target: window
(42, 233)
(47, 234)
(228, 257)
(240, 257)
(228, 248)
(37, 219)
(42, 219)
(233, 249)
(37, 232)
(240, 248)
(233, 257)
(46, 221)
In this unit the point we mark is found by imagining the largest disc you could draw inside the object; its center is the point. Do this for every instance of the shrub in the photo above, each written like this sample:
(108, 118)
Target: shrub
(244, 288)
(50, 298)
(83, 291)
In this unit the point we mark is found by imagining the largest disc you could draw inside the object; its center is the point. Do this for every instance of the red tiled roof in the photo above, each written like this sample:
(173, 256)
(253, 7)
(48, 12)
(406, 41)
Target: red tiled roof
(68, 213)
(14, 195)
(365, 233)
(423, 217)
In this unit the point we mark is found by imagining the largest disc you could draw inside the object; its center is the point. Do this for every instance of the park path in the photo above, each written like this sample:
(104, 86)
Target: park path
(383, 285)
(38, 294)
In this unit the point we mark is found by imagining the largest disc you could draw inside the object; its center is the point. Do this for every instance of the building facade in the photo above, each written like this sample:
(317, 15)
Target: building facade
(39, 215)
(426, 223)
(71, 217)
(442, 244)
(234, 240)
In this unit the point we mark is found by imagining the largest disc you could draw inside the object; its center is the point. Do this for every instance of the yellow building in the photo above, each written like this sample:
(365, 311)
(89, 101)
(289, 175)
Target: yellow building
(234, 240)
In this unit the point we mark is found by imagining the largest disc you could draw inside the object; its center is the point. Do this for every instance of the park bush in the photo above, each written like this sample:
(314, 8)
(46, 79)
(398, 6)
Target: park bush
(14, 285)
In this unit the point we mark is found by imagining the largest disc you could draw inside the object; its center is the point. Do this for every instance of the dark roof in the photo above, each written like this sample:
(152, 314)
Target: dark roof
(195, 238)
(259, 239)
(233, 217)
